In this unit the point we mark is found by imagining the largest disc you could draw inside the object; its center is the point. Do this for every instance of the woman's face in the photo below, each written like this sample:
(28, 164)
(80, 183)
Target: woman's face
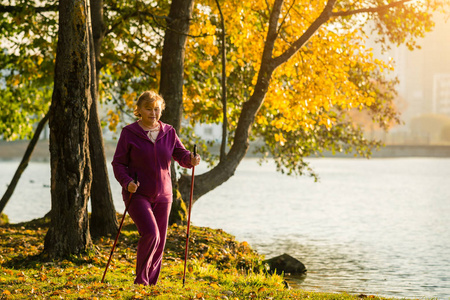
(150, 113)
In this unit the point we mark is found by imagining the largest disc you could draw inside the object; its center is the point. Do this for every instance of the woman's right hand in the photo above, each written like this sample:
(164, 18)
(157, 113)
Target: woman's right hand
(132, 187)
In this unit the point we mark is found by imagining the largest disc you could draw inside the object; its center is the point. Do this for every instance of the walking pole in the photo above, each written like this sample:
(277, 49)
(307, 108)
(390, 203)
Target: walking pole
(189, 219)
(120, 228)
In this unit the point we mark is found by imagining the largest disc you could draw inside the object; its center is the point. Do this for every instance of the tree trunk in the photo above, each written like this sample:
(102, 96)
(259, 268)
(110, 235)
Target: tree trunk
(172, 63)
(23, 163)
(69, 114)
(226, 168)
(171, 84)
(103, 218)
(223, 52)
(171, 87)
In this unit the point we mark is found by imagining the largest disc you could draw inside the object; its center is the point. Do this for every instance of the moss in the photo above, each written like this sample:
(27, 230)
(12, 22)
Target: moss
(4, 219)
(178, 213)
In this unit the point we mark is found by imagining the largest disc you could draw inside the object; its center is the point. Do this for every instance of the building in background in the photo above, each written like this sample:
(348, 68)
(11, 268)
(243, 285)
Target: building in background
(441, 93)
(426, 73)
(424, 88)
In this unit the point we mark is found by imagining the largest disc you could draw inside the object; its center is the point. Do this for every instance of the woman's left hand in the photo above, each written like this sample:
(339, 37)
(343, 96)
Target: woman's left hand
(195, 161)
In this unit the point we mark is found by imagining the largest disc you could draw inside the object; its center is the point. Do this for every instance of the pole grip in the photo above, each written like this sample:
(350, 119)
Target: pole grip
(195, 150)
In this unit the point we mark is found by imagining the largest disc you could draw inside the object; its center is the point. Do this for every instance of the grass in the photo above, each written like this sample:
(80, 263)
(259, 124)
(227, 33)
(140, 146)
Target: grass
(219, 267)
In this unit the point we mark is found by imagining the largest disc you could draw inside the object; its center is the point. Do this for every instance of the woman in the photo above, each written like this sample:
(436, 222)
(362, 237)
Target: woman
(145, 148)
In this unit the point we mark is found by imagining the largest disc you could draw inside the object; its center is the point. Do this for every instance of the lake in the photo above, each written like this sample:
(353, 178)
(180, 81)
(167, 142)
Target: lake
(377, 227)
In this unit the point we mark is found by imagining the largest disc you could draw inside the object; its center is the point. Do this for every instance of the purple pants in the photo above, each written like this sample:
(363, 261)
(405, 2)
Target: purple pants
(151, 219)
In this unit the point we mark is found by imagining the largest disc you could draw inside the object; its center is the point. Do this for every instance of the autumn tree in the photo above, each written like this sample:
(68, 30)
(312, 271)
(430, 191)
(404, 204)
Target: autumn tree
(69, 136)
(296, 69)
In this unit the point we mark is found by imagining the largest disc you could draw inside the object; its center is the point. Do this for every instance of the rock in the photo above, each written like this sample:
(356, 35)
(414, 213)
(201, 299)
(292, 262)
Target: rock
(286, 264)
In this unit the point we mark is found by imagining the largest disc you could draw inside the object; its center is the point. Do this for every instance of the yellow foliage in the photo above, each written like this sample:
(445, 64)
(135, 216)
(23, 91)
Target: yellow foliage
(16, 80)
(280, 138)
(113, 119)
(304, 92)
(205, 64)
(129, 99)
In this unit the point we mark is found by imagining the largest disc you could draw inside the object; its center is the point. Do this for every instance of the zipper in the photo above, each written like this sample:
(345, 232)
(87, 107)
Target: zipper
(156, 169)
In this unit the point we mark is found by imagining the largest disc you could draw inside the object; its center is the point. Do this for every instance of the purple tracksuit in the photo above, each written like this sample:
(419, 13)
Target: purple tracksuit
(150, 205)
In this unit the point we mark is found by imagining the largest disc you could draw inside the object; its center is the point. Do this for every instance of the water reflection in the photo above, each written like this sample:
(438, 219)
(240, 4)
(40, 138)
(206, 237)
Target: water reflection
(376, 227)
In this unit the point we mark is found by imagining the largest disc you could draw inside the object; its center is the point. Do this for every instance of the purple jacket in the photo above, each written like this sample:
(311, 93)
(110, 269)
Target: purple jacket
(136, 153)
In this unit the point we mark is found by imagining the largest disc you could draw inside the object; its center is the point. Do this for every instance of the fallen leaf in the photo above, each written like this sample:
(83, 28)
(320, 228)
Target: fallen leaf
(214, 286)
(261, 289)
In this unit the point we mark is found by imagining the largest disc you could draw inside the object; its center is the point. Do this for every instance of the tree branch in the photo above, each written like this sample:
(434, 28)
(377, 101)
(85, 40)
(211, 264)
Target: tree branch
(120, 21)
(19, 8)
(154, 17)
(142, 70)
(377, 9)
(272, 32)
(323, 18)
(285, 16)
(224, 87)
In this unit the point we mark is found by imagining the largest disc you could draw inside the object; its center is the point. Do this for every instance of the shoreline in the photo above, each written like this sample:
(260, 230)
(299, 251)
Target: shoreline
(16, 149)
(213, 273)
